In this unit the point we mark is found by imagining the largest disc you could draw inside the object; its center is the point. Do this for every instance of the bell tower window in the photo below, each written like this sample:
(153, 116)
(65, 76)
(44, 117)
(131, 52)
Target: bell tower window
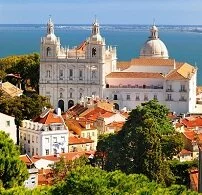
(48, 51)
(93, 51)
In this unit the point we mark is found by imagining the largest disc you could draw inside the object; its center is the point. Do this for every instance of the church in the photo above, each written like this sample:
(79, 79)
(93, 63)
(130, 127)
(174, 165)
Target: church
(91, 69)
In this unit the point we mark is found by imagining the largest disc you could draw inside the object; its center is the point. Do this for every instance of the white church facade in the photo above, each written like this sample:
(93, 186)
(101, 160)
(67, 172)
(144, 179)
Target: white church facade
(68, 75)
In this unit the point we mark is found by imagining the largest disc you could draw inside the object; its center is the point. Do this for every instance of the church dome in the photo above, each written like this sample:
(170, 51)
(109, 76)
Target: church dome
(154, 47)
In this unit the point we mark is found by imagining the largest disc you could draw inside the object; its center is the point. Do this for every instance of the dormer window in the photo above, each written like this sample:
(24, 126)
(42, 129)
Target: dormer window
(48, 51)
(93, 51)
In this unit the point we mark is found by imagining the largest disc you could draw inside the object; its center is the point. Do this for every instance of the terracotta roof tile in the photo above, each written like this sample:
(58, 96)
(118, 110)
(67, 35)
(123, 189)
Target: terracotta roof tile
(147, 62)
(185, 152)
(107, 115)
(49, 118)
(76, 140)
(185, 71)
(26, 159)
(66, 156)
(192, 122)
(135, 75)
(191, 135)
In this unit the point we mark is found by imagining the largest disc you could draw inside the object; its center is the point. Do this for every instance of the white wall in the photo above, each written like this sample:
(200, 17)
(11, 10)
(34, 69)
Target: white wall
(7, 124)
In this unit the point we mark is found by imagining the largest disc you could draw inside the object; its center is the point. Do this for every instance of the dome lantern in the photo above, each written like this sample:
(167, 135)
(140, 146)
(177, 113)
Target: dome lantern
(154, 47)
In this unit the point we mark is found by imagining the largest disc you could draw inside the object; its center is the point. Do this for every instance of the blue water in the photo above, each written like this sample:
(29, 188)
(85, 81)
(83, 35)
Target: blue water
(184, 43)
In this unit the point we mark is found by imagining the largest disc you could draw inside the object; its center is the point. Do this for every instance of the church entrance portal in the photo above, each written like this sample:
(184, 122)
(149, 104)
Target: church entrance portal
(70, 103)
(61, 105)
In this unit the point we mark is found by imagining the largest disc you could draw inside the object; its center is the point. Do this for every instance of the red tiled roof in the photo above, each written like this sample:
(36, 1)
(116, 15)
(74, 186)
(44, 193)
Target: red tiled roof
(122, 65)
(191, 122)
(45, 177)
(135, 75)
(95, 113)
(191, 135)
(66, 156)
(76, 140)
(26, 159)
(116, 124)
(107, 114)
(49, 118)
(185, 152)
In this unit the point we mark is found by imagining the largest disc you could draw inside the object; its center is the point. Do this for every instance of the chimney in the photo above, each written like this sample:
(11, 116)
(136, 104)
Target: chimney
(174, 67)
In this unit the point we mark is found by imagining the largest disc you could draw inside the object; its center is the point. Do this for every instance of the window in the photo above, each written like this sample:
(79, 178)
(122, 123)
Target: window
(83, 134)
(93, 74)
(93, 51)
(70, 94)
(169, 88)
(155, 97)
(145, 97)
(62, 150)
(93, 133)
(80, 75)
(8, 123)
(32, 151)
(28, 139)
(48, 73)
(61, 73)
(54, 139)
(37, 151)
(32, 138)
(137, 98)
(88, 134)
(24, 136)
(80, 95)
(55, 151)
(169, 97)
(70, 74)
(48, 51)
(47, 151)
(115, 97)
(36, 139)
(62, 138)
(47, 140)
(61, 95)
(20, 135)
(182, 88)
(128, 97)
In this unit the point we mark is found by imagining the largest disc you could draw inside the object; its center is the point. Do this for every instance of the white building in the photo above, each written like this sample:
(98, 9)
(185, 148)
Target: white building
(67, 75)
(46, 135)
(32, 180)
(7, 124)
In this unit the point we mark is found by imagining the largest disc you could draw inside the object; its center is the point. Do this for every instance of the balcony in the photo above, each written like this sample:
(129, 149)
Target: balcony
(169, 100)
(183, 90)
(169, 90)
(135, 86)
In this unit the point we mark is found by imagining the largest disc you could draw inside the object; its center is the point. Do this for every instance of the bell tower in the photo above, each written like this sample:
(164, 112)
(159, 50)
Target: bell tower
(50, 44)
(96, 44)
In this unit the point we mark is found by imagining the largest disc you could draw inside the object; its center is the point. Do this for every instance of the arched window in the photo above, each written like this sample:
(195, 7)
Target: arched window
(93, 51)
(48, 51)
(61, 105)
(70, 103)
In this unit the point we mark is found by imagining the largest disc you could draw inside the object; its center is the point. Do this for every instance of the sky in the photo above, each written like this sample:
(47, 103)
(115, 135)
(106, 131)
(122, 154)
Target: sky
(183, 12)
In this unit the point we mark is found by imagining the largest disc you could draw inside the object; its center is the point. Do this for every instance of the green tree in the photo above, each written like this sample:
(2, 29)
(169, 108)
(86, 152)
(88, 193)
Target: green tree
(143, 145)
(13, 171)
(25, 65)
(61, 169)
